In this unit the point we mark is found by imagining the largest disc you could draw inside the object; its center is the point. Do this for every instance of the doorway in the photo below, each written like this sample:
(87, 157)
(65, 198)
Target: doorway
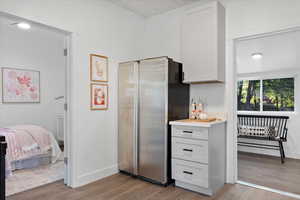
(267, 74)
(35, 67)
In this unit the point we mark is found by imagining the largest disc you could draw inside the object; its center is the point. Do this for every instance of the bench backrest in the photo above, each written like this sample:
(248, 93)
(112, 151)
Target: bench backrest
(265, 121)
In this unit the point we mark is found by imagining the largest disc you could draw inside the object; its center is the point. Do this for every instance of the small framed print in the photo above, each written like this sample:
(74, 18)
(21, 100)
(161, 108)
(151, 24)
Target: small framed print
(98, 68)
(99, 96)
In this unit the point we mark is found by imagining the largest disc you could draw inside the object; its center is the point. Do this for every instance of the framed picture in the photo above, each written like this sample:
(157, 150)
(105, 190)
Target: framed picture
(98, 68)
(99, 96)
(20, 86)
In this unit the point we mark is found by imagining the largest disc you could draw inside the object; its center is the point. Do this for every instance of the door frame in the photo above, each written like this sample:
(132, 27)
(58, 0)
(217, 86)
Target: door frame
(69, 171)
(235, 77)
(68, 91)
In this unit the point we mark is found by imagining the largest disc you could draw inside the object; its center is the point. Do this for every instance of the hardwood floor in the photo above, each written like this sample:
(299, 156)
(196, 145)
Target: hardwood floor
(268, 171)
(122, 187)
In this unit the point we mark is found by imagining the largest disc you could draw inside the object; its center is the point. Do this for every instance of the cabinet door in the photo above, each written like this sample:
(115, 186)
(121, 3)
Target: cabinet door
(190, 150)
(199, 44)
(190, 172)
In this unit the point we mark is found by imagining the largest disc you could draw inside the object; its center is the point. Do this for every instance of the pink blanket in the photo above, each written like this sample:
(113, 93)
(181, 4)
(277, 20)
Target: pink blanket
(25, 141)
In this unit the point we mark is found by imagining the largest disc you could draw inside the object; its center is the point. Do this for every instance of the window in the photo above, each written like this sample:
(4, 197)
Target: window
(249, 95)
(266, 95)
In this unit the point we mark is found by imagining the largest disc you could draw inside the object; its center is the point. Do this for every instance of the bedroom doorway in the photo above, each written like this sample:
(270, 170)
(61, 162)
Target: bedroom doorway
(268, 153)
(35, 66)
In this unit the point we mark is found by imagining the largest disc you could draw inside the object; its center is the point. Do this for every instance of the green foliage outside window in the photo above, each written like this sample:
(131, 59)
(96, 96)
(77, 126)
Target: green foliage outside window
(276, 95)
(249, 95)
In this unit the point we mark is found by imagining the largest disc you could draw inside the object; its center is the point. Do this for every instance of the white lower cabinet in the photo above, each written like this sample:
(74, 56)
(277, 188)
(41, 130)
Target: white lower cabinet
(198, 156)
(190, 172)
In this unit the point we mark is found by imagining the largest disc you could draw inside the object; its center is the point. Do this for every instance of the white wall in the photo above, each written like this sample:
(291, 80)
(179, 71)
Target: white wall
(99, 27)
(39, 50)
(243, 18)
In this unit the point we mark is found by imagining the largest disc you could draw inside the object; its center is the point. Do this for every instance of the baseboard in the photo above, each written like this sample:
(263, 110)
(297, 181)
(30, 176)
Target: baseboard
(194, 188)
(296, 196)
(293, 155)
(269, 152)
(95, 175)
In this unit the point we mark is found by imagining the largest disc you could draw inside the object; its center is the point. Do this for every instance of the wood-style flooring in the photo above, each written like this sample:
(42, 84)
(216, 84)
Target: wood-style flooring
(268, 171)
(122, 187)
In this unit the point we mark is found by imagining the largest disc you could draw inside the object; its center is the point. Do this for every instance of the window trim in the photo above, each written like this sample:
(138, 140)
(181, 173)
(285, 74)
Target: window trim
(267, 77)
(272, 113)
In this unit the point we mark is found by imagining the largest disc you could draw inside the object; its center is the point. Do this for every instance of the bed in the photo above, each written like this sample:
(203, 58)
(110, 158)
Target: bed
(29, 146)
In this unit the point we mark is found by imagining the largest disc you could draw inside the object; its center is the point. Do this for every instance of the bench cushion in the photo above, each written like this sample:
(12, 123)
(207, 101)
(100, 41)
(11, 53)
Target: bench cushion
(258, 131)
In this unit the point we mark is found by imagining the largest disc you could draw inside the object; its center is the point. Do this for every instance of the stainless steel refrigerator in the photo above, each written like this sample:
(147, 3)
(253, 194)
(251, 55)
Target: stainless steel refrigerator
(150, 94)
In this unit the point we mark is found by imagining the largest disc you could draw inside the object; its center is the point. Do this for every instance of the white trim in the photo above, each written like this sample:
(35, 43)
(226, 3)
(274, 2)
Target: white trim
(96, 175)
(70, 176)
(268, 34)
(231, 92)
(296, 196)
(292, 73)
(272, 113)
(261, 95)
(235, 139)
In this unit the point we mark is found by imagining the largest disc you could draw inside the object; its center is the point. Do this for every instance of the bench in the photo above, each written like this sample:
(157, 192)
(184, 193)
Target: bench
(262, 127)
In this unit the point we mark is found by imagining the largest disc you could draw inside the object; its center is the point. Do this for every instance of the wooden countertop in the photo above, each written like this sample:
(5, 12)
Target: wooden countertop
(197, 123)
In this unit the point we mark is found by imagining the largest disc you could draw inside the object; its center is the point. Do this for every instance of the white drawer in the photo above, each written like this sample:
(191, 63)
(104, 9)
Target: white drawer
(190, 132)
(191, 150)
(190, 172)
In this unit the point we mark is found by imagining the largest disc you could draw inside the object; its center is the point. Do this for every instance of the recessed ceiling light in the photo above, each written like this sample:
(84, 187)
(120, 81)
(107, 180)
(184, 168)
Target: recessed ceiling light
(23, 25)
(257, 56)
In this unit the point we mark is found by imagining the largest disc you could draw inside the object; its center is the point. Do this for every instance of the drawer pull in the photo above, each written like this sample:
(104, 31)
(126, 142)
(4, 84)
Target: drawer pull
(186, 172)
(188, 131)
(189, 150)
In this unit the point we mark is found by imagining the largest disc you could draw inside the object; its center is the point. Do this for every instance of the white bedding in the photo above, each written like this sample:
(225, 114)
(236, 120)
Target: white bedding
(29, 141)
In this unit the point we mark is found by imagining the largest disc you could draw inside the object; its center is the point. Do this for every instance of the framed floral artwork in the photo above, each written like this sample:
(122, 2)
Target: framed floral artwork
(99, 96)
(20, 86)
(98, 68)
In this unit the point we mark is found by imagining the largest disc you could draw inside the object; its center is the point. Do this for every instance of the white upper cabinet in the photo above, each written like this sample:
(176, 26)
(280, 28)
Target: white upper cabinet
(203, 44)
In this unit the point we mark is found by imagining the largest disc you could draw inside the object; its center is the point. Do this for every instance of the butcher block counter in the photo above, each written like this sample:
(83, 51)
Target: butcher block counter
(198, 123)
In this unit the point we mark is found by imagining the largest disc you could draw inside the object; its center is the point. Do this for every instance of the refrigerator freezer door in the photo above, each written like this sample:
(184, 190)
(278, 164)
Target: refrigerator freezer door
(127, 117)
(153, 90)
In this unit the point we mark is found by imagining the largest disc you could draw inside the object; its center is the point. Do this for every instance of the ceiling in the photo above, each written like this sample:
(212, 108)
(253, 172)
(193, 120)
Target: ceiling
(10, 21)
(149, 8)
(281, 52)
